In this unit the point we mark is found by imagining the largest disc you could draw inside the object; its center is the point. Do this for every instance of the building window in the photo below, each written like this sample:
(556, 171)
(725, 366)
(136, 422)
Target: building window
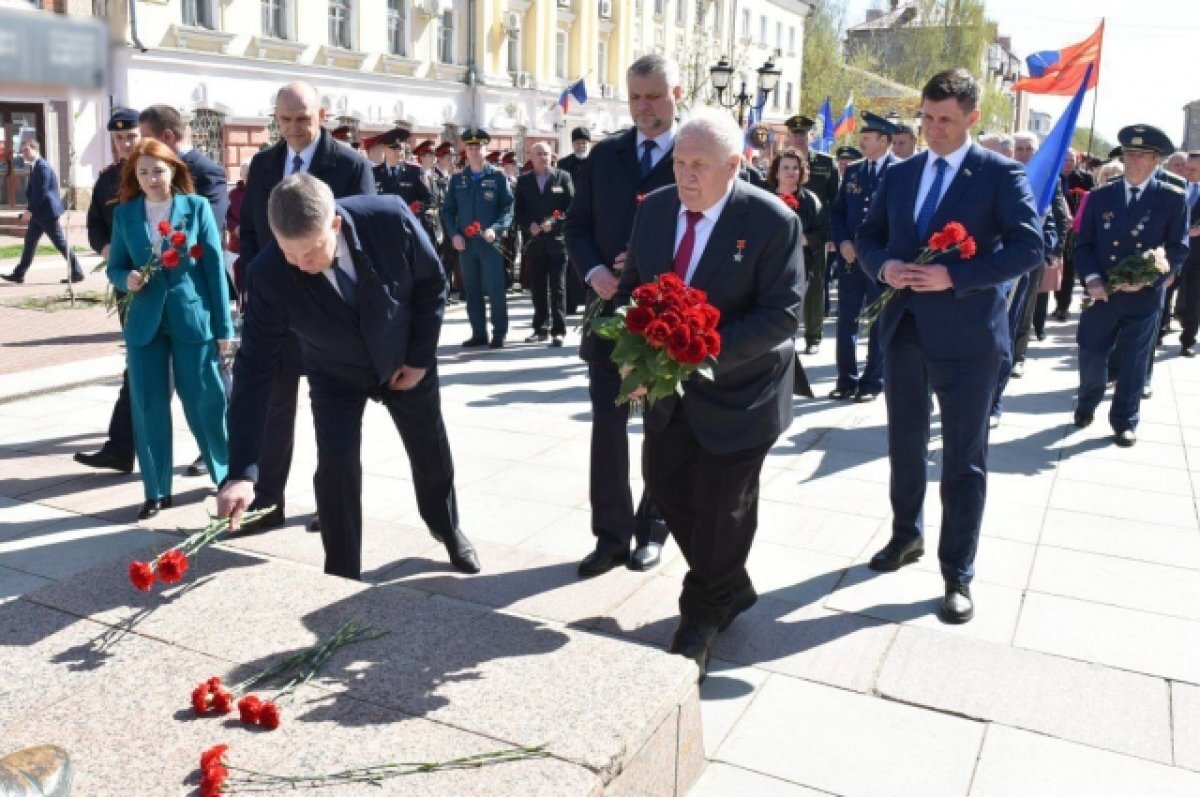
(792, 40)
(560, 54)
(775, 98)
(275, 19)
(719, 14)
(514, 50)
(746, 24)
(660, 8)
(198, 14)
(397, 21)
(681, 12)
(602, 61)
(762, 30)
(446, 38)
(339, 24)
(208, 134)
(790, 97)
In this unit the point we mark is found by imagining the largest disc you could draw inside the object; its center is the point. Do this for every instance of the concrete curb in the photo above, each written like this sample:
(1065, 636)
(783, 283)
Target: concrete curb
(56, 378)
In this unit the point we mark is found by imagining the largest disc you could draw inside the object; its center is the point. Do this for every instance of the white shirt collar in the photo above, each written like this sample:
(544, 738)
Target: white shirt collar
(305, 154)
(1141, 187)
(183, 149)
(881, 159)
(713, 213)
(663, 140)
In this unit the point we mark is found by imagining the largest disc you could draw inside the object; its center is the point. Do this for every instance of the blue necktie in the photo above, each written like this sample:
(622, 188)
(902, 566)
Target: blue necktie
(647, 163)
(345, 284)
(872, 178)
(929, 206)
(297, 165)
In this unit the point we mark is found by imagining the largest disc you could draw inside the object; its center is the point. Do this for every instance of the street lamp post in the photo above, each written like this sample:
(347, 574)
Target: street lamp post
(722, 74)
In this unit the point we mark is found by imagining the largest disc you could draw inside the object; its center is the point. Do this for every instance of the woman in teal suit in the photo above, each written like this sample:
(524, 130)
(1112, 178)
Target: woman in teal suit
(177, 318)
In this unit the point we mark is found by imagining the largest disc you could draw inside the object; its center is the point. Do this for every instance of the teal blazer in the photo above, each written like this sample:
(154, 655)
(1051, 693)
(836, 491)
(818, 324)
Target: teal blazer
(194, 297)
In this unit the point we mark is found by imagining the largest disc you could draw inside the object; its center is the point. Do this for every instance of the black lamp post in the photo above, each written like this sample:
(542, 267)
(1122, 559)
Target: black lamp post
(722, 74)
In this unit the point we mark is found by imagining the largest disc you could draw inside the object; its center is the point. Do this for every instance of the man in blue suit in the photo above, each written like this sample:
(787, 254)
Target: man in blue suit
(358, 282)
(45, 209)
(855, 288)
(947, 326)
(621, 169)
(1131, 216)
(166, 124)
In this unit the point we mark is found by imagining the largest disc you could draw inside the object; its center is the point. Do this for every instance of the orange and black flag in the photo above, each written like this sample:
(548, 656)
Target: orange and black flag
(1063, 71)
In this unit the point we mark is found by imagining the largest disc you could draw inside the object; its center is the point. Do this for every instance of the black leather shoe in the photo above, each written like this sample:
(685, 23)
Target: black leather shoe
(1187, 351)
(896, 554)
(1147, 392)
(646, 557)
(1060, 314)
(74, 278)
(742, 601)
(105, 459)
(556, 342)
(1083, 419)
(865, 398)
(1018, 369)
(693, 639)
(839, 394)
(994, 422)
(14, 278)
(602, 560)
(497, 342)
(474, 341)
(153, 507)
(957, 606)
(1125, 439)
(272, 520)
(42, 771)
(462, 552)
(812, 348)
(197, 468)
(1040, 335)
(315, 524)
(537, 337)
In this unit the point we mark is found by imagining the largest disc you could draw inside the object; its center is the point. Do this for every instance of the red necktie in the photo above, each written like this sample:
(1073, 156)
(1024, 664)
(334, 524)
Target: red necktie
(683, 255)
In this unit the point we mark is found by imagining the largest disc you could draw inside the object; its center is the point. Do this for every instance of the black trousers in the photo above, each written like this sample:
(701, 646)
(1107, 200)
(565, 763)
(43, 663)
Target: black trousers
(548, 284)
(280, 431)
(1189, 300)
(337, 416)
(120, 425)
(1025, 323)
(1040, 310)
(614, 521)
(1062, 296)
(710, 502)
(53, 230)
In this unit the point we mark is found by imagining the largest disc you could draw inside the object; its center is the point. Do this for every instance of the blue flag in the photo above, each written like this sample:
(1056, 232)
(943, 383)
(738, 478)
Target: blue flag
(825, 142)
(1044, 167)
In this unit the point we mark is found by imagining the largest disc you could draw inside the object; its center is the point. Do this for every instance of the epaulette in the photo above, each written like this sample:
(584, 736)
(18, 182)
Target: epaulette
(1171, 186)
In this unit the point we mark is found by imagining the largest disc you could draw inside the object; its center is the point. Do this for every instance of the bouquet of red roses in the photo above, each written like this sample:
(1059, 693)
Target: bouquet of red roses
(951, 238)
(174, 249)
(665, 336)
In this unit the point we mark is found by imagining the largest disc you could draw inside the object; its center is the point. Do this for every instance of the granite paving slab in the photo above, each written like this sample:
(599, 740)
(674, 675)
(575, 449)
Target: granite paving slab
(1162, 589)
(1147, 542)
(1185, 711)
(723, 780)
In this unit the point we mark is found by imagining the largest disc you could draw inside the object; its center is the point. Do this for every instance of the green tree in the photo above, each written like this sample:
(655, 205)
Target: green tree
(822, 74)
(1101, 146)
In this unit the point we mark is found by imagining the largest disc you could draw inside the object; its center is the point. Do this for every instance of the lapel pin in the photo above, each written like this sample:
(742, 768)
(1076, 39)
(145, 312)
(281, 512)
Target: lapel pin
(741, 245)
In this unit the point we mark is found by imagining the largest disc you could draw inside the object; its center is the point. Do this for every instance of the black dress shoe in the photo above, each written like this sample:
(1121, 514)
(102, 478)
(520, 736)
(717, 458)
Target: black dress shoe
(957, 606)
(272, 520)
(1125, 439)
(105, 459)
(197, 468)
(865, 398)
(74, 278)
(15, 278)
(1040, 335)
(537, 337)
(474, 341)
(812, 348)
(1018, 369)
(556, 342)
(315, 523)
(693, 639)
(1083, 419)
(462, 552)
(602, 560)
(1187, 351)
(43, 771)
(153, 507)
(839, 394)
(646, 557)
(497, 342)
(742, 601)
(896, 554)
(1060, 314)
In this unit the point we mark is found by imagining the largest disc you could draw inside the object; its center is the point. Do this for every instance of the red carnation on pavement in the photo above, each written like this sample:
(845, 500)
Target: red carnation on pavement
(966, 249)
(142, 575)
(249, 708)
(170, 258)
(638, 318)
(222, 701)
(268, 716)
(200, 696)
(178, 238)
(172, 565)
(164, 228)
(213, 755)
(196, 252)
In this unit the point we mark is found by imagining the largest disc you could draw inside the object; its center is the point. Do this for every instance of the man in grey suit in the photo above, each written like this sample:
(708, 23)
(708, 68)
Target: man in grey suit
(704, 451)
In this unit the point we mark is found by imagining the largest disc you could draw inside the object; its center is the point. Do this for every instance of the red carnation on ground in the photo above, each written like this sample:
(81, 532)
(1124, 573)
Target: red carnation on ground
(164, 228)
(171, 566)
(791, 201)
(170, 258)
(222, 702)
(249, 708)
(178, 238)
(196, 252)
(200, 697)
(268, 716)
(142, 575)
(213, 755)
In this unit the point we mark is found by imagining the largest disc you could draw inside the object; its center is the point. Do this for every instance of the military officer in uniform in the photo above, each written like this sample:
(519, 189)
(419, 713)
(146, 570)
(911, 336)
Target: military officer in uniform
(822, 181)
(443, 170)
(1138, 213)
(904, 143)
(845, 157)
(394, 176)
(855, 289)
(117, 451)
(511, 241)
(479, 194)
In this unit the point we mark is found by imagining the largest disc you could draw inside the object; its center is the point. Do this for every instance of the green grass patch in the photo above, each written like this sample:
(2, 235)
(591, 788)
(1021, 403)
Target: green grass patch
(84, 300)
(15, 250)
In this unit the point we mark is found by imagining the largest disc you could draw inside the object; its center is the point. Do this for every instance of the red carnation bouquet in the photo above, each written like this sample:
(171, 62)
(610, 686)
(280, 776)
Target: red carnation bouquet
(790, 200)
(665, 336)
(170, 566)
(475, 230)
(171, 253)
(951, 238)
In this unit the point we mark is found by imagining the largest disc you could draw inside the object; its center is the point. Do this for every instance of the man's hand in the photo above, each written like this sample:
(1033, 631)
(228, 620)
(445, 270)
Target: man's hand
(605, 283)
(1095, 290)
(1054, 262)
(459, 243)
(406, 377)
(849, 253)
(829, 247)
(1195, 231)
(619, 262)
(929, 278)
(640, 393)
(534, 228)
(233, 499)
(489, 235)
(547, 226)
(1170, 281)
(896, 273)
(134, 281)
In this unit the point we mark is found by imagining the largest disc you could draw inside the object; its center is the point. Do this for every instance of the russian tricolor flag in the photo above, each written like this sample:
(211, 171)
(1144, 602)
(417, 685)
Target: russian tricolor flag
(847, 124)
(1064, 71)
(577, 90)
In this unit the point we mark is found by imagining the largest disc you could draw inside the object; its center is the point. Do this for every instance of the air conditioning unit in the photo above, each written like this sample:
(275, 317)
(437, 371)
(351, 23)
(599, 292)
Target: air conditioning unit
(523, 80)
(512, 24)
(432, 8)
(607, 91)
(606, 9)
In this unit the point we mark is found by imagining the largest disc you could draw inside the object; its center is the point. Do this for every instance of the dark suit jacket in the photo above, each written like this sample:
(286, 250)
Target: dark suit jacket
(210, 182)
(854, 197)
(990, 196)
(341, 168)
(533, 206)
(103, 205)
(571, 164)
(407, 183)
(749, 401)
(601, 216)
(45, 202)
(401, 296)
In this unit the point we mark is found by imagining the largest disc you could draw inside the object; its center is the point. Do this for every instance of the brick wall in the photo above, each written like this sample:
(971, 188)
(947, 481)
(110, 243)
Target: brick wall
(242, 142)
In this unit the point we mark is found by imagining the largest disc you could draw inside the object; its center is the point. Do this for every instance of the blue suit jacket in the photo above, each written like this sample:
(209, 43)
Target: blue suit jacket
(1108, 232)
(210, 182)
(194, 296)
(758, 288)
(401, 295)
(990, 196)
(854, 197)
(45, 203)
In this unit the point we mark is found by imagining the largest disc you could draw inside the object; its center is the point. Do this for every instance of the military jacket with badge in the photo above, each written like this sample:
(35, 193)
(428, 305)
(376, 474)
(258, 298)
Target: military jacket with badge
(854, 198)
(823, 180)
(1109, 232)
(406, 182)
(104, 203)
(487, 200)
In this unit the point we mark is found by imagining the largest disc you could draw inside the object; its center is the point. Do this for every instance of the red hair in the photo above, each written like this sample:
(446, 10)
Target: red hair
(181, 179)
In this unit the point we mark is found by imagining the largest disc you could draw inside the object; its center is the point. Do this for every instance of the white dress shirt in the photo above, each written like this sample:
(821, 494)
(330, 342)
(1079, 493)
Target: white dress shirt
(704, 228)
(664, 141)
(953, 163)
(345, 261)
(305, 154)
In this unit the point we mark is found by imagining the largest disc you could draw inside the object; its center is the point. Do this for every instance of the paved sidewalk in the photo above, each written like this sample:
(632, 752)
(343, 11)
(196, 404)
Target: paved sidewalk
(1079, 676)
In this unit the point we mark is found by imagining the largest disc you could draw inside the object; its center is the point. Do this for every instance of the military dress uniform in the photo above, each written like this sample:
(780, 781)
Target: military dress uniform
(483, 197)
(449, 255)
(1121, 220)
(823, 181)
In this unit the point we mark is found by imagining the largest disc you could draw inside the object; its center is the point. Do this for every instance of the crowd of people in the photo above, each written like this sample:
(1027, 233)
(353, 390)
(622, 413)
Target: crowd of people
(341, 262)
